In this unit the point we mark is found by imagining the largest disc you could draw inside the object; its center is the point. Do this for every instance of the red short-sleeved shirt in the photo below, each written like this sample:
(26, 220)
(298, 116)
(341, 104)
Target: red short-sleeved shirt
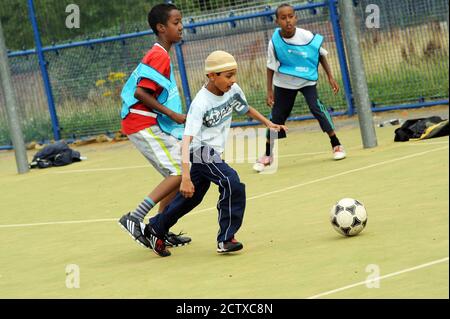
(158, 58)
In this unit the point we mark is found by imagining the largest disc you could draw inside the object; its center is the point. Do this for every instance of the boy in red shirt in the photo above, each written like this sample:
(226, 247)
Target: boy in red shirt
(152, 117)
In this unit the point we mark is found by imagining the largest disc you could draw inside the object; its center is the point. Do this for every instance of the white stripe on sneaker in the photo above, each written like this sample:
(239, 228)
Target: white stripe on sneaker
(130, 226)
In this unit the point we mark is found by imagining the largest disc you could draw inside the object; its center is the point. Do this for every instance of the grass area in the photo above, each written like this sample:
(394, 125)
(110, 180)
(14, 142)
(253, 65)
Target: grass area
(290, 249)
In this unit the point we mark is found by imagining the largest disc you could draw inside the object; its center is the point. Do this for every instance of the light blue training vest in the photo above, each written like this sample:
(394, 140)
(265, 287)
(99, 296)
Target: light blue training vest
(169, 97)
(301, 61)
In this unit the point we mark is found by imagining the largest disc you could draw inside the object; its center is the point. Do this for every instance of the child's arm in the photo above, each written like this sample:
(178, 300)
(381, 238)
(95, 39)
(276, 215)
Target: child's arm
(270, 99)
(149, 100)
(334, 85)
(187, 188)
(253, 113)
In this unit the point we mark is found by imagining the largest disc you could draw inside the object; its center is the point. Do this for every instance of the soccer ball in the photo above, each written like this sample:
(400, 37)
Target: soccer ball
(348, 217)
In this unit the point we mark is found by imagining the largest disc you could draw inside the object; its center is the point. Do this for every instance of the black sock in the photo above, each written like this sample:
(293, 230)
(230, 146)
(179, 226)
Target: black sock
(268, 149)
(334, 141)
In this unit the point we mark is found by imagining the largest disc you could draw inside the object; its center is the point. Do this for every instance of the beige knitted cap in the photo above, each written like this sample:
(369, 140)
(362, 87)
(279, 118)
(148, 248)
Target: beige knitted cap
(219, 61)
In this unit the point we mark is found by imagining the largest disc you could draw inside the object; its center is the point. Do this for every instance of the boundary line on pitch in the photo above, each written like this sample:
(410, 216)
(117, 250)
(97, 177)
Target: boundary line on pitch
(61, 222)
(249, 198)
(237, 160)
(88, 170)
(371, 281)
(424, 144)
(332, 176)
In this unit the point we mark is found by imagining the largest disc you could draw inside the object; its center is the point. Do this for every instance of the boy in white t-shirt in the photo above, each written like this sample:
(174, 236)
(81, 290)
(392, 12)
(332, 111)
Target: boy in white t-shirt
(207, 127)
(294, 55)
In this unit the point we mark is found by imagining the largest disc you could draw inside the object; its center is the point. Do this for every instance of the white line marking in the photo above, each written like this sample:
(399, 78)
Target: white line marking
(420, 143)
(256, 196)
(236, 160)
(350, 171)
(369, 281)
(240, 160)
(62, 222)
(100, 169)
(332, 176)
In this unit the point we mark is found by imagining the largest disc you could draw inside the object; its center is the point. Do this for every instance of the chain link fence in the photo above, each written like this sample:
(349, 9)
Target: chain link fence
(406, 59)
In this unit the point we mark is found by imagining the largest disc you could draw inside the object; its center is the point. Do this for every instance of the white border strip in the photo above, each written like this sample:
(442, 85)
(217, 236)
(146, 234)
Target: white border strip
(62, 222)
(236, 160)
(330, 177)
(256, 196)
(100, 169)
(372, 280)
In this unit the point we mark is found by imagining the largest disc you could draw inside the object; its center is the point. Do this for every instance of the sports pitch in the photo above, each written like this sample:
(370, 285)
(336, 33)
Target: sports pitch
(56, 217)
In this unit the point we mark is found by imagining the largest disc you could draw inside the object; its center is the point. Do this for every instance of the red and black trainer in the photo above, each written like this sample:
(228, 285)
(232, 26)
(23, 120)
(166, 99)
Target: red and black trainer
(176, 240)
(229, 246)
(156, 244)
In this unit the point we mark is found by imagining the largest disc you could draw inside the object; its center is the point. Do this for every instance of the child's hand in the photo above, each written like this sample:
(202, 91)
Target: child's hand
(270, 99)
(277, 128)
(187, 189)
(179, 118)
(334, 85)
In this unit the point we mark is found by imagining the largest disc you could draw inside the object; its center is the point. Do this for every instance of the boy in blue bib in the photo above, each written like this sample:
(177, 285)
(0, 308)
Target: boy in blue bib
(294, 55)
(153, 121)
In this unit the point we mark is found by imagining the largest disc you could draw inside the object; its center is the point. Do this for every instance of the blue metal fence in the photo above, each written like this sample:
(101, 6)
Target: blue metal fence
(80, 82)
(43, 67)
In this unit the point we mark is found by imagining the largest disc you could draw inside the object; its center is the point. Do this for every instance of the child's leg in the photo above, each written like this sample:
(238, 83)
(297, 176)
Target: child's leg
(180, 206)
(172, 239)
(164, 153)
(284, 100)
(166, 200)
(232, 200)
(163, 193)
(320, 113)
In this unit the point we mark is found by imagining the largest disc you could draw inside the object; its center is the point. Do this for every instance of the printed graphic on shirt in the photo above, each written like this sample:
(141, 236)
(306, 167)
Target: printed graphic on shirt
(221, 113)
(299, 53)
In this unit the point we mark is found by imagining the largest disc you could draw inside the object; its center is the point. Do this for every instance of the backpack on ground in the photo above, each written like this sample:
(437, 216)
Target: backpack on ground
(58, 154)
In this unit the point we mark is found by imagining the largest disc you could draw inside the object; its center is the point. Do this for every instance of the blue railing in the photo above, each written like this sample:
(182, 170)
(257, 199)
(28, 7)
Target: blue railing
(186, 75)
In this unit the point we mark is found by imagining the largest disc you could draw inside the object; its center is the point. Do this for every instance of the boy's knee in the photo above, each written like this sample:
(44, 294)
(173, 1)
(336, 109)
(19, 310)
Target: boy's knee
(238, 188)
(317, 113)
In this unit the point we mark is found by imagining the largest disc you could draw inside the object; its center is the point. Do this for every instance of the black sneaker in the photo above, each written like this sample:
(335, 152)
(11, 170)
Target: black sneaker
(156, 244)
(229, 246)
(135, 229)
(174, 240)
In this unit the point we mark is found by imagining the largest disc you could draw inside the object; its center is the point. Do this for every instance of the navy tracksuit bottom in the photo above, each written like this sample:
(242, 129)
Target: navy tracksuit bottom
(208, 167)
(285, 100)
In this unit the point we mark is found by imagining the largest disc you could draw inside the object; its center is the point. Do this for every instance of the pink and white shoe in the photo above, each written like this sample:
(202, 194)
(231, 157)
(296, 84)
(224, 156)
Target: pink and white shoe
(262, 162)
(339, 152)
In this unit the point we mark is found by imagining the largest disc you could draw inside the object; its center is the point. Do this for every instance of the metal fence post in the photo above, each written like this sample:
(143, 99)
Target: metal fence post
(45, 77)
(334, 17)
(11, 108)
(358, 74)
(183, 74)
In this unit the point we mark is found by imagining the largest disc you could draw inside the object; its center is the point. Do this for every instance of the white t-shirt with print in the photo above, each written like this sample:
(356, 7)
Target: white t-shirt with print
(209, 117)
(301, 37)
